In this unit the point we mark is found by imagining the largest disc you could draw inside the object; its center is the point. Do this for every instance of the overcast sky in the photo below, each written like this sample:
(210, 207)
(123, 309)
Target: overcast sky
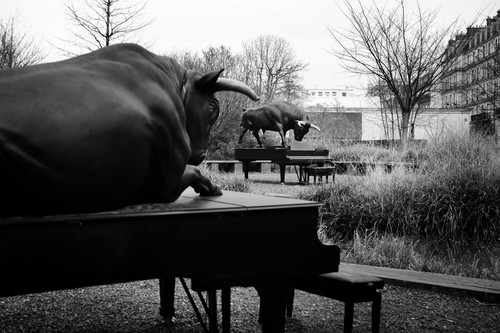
(196, 24)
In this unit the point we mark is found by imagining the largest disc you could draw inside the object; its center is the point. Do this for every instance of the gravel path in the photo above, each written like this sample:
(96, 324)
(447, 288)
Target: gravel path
(133, 307)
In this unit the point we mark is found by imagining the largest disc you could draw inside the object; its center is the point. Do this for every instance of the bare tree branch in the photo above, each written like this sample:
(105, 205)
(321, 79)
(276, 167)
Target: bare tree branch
(99, 23)
(16, 48)
(404, 50)
(273, 68)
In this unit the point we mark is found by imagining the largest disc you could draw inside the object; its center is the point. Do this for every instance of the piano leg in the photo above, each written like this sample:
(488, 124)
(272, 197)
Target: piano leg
(282, 172)
(246, 167)
(167, 299)
(272, 307)
(226, 309)
(212, 310)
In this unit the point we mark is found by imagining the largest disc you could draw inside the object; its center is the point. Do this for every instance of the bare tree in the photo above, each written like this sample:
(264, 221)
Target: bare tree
(405, 51)
(225, 131)
(187, 58)
(99, 23)
(16, 48)
(272, 67)
(388, 109)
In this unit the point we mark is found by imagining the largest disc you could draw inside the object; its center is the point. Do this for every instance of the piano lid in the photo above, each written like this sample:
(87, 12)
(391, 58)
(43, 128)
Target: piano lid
(250, 201)
(189, 202)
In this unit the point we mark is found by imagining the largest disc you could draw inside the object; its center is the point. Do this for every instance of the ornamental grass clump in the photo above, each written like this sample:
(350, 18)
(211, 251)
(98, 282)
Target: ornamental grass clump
(460, 191)
(454, 196)
(362, 152)
(384, 250)
(371, 152)
(377, 201)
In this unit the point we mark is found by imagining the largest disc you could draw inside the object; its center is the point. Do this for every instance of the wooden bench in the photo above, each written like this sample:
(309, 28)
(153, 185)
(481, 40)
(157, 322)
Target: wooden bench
(349, 288)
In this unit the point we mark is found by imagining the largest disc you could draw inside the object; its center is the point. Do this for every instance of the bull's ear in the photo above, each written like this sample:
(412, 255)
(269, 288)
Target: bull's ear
(209, 79)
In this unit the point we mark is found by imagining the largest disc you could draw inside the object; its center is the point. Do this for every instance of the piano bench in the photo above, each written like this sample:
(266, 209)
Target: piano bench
(349, 288)
(320, 171)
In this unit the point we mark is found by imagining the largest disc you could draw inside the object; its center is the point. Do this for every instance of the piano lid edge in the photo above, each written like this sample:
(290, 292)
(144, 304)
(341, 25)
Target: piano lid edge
(253, 201)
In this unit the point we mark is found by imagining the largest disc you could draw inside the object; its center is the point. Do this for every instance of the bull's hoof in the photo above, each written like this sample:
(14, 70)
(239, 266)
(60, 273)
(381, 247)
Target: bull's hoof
(213, 193)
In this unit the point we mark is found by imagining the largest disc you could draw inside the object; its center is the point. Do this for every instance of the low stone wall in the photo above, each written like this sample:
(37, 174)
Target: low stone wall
(237, 166)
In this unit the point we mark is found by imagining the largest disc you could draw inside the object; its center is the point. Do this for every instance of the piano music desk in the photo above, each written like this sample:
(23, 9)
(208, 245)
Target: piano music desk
(247, 239)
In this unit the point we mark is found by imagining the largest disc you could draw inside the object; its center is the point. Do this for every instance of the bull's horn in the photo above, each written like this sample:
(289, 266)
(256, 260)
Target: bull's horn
(224, 84)
(315, 127)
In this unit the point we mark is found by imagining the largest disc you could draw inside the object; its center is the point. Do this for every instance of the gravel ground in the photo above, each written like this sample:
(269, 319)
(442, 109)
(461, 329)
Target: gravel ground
(133, 307)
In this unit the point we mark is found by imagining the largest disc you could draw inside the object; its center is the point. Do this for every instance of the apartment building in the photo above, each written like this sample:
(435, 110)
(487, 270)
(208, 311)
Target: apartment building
(472, 81)
(339, 98)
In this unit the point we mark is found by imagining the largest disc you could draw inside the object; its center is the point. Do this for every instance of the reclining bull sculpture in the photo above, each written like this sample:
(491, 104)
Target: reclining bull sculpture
(278, 116)
(111, 128)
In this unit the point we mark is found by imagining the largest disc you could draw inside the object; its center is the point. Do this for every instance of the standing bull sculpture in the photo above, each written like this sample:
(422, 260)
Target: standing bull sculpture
(111, 128)
(280, 117)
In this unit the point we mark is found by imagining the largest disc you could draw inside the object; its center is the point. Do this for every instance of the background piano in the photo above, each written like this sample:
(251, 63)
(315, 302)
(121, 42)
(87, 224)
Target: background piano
(298, 154)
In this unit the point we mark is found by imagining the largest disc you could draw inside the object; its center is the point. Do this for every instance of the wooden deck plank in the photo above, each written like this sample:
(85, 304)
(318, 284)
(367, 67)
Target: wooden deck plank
(486, 290)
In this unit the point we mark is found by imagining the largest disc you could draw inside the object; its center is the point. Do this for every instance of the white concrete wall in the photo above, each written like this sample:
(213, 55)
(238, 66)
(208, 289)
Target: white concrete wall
(442, 121)
(430, 123)
(372, 128)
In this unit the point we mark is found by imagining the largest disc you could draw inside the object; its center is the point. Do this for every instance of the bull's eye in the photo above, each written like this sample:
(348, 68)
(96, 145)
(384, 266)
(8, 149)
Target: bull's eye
(214, 110)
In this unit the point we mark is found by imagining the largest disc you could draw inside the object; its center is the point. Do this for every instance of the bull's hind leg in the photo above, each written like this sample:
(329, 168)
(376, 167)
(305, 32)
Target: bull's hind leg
(282, 135)
(256, 134)
(242, 135)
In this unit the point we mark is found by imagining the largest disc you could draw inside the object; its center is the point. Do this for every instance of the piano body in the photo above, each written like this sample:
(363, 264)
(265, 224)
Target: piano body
(246, 239)
(299, 154)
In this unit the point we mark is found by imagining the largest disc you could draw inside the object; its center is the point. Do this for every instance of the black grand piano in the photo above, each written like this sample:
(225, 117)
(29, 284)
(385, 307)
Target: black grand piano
(298, 154)
(239, 238)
